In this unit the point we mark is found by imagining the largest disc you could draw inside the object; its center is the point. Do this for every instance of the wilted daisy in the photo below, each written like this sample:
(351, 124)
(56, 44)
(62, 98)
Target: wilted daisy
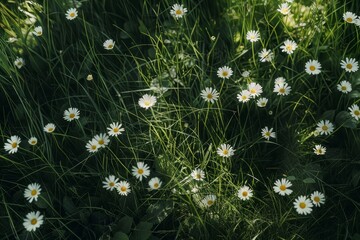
(325, 127)
(224, 72)
(354, 111)
(49, 128)
(109, 44)
(255, 89)
(33, 221)
(32, 192)
(92, 146)
(115, 129)
(245, 193)
(253, 36)
(178, 11)
(110, 182)
(12, 144)
(284, 9)
(245, 74)
(280, 80)
(266, 55)
(19, 62)
(349, 17)
(71, 114)
(38, 31)
(33, 141)
(319, 150)
(350, 65)
(225, 150)
(282, 187)
(313, 67)
(123, 188)
(244, 96)
(289, 46)
(303, 205)
(141, 170)
(209, 95)
(102, 139)
(208, 200)
(155, 183)
(268, 133)
(198, 174)
(12, 39)
(317, 198)
(147, 101)
(262, 102)
(282, 89)
(344, 87)
(89, 77)
(71, 14)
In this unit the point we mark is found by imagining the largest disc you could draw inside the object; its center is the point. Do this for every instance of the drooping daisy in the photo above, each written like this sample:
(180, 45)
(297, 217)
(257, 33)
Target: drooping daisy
(71, 13)
(280, 80)
(209, 95)
(89, 77)
(244, 96)
(284, 9)
(115, 129)
(71, 114)
(245, 193)
(253, 36)
(266, 55)
(344, 87)
(38, 31)
(268, 133)
(102, 139)
(245, 74)
(123, 188)
(198, 174)
(49, 128)
(319, 149)
(262, 102)
(155, 183)
(109, 44)
(141, 170)
(349, 17)
(33, 221)
(19, 62)
(313, 67)
(32, 192)
(325, 127)
(33, 141)
(110, 182)
(303, 205)
(354, 111)
(255, 89)
(282, 89)
(225, 150)
(350, 65)
(224, 72)
(92, 146)
(282, 187)
(317, 198)
(178, 11)
(208, 200)
(147, 101)
(12, 144)
(289, 46)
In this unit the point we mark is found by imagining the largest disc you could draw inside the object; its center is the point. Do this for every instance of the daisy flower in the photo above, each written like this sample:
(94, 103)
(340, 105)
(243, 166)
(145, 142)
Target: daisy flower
(262, 102)
(303, 205)
(109, 44)
(147, 101)
(253, 36)
(344, 87)
(282, 89)
(225, 150)
(280, 80)
(313, 67)
(284, 9)
(141, 170)
(12, 39)
(32, 192)
(71, 14)
(209, 95)
(317, 198)
(110, 182)
(123, 188)
(244, 96)
(349, 17)
(89, 77)
(325, 127)
(38, 31)
(33, 221)
(92, 146)
(289, 46)
(33, 141)
(102, 139)
(224, 72)
(319, 150)
(268, 133)
(350, 65)
(178, 11)
(155, 183)
(354, 111)
(245, 74)
(266, 55)
(245, 193)
(208, 200)
(49, 128)
(198, 174)
(12, 144)
(115, 129)
(71, 114)
(282, 187)
(19, 62)
(255, 89)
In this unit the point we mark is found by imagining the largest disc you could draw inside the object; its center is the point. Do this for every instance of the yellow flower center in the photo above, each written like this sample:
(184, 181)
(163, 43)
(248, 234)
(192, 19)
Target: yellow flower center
(39, 33)
(244, 193)
(267, 134)
(33, 192)
(225, 152)
(110, 46)
(282, 187)
(101, 142)
(198, 176)
(72, 14)
(33, 221)
(312, 68)
(33, 142)
(324, 128)
(288, 47)
(19, 63)
(349, 19)
(244, 97)
(111, 184)
(225, 73)
(72, 115)
(349, 66)
(282, 90)
(252, 91)
(115, 129)
(147, 103)
(140, 171)
(178, 12)
(302, 205)
(209, 96)
(50, 129)
(123, 189)
(93, 147)
(210, 202)
(156, 185)
(356, 112)
(14, 145)
(316, 199)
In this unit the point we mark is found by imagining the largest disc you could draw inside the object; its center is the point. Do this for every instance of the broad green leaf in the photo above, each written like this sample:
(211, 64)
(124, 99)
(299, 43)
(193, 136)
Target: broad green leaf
(291, 178)
(43, 200)
(124, 224)
(120, 236)
(309, 180)
(344, 119)
(142, 231)
(329, 115)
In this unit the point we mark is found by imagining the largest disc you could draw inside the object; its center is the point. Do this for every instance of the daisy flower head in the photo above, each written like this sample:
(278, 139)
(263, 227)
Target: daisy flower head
(268, 133)
(209, 95)
(32, 192)
(224, 72)
(350, 65)
(141, 170)
(244, 96)
(325, 127)
(303, 205)
(208, 200)
(354, 111)
(92, 146)
(282, 89)
(317, 198)
(225, 150)
(313, 67)
(123, 188)
(33, 221)
(109, 44)
(19, 62)
(289, 47)
(89, 77)
(253, 36)
(245, 193)
(38, 31)
(255, 89)
(115, 129)
(349, 17)
(245, 74)
(344, 87)
(110, 182)
(282, 187)
(102, 139)
(178, 11)
(49, 128)
(71, 14)
(33, 141)
(266, 55)
(198, 174)
(319, 149)
(280, 80)
(71, 114)
(261, 102)
(147, 101)
(284, 9)
(155, 183)
(12, 144)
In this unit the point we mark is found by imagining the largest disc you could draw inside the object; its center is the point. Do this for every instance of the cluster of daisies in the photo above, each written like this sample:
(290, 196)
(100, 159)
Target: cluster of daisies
(33, 220)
